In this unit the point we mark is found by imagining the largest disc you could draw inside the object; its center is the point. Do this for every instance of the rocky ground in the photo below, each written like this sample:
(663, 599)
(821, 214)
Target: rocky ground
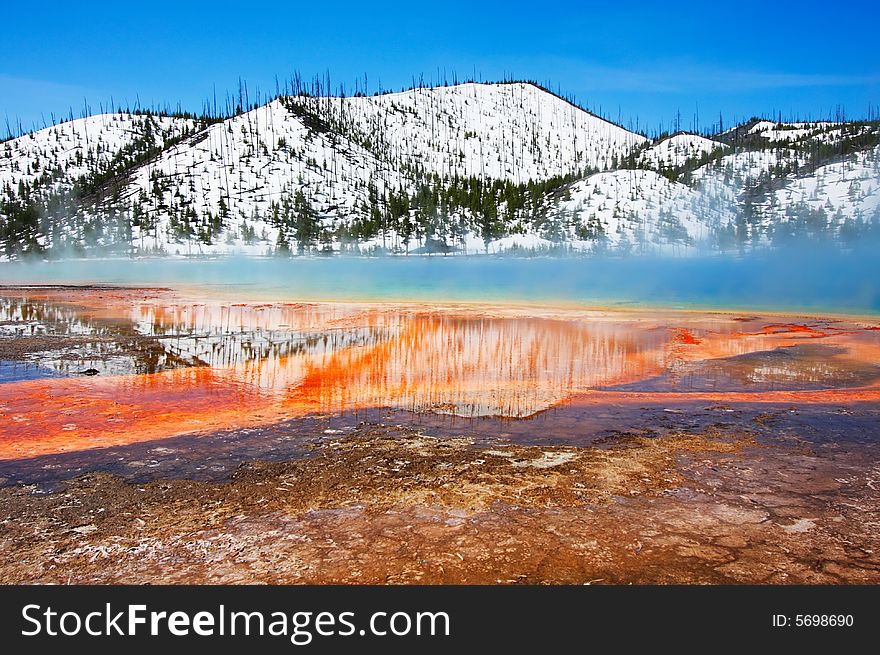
(391, 505)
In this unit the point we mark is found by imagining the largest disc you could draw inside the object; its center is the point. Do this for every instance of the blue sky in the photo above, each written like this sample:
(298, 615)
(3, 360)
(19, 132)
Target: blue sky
(642, 62)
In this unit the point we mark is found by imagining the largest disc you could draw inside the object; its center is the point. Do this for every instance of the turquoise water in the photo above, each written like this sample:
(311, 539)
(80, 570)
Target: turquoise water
(830, 282)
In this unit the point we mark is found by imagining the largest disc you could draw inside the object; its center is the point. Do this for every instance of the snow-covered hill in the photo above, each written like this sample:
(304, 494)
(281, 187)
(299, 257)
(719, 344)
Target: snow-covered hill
(851, 187)
(341, 152)
(777, 132)
(72, 149)
(676, 150)
(638, 211)
(469, 168)
(513, 132)
(811, 181)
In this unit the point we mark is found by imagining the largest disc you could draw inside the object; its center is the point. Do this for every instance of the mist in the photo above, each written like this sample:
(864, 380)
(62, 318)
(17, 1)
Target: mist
(793, 278)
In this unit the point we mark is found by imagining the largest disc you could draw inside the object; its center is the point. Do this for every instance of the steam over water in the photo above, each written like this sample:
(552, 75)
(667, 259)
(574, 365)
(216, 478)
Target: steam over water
(802, 279)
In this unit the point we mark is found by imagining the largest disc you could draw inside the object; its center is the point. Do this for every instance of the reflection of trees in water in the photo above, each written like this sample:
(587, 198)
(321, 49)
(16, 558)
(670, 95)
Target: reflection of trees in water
(157, 338)
(339, 357)
(69, 338)
(480, 366)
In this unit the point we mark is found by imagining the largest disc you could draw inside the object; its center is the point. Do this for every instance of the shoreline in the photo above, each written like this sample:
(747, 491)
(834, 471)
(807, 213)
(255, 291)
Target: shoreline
(202, 292)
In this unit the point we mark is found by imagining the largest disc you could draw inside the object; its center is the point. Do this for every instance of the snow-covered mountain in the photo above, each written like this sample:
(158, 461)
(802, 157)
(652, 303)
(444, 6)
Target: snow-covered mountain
(59, 155)
(636, 211)
(469, 168)
(677, 150)
(798, 180)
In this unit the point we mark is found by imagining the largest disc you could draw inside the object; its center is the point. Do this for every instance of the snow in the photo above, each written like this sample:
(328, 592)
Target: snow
(515, 132)
(511, 132)
(674, 151)
(768, 126)
(519, 242)
(641, 210)
(245, 168)
(848, 189)
(780, 132)
(76, 147)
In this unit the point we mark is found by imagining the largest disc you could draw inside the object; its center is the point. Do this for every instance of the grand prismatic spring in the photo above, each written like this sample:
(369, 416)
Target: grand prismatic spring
(187, 434)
